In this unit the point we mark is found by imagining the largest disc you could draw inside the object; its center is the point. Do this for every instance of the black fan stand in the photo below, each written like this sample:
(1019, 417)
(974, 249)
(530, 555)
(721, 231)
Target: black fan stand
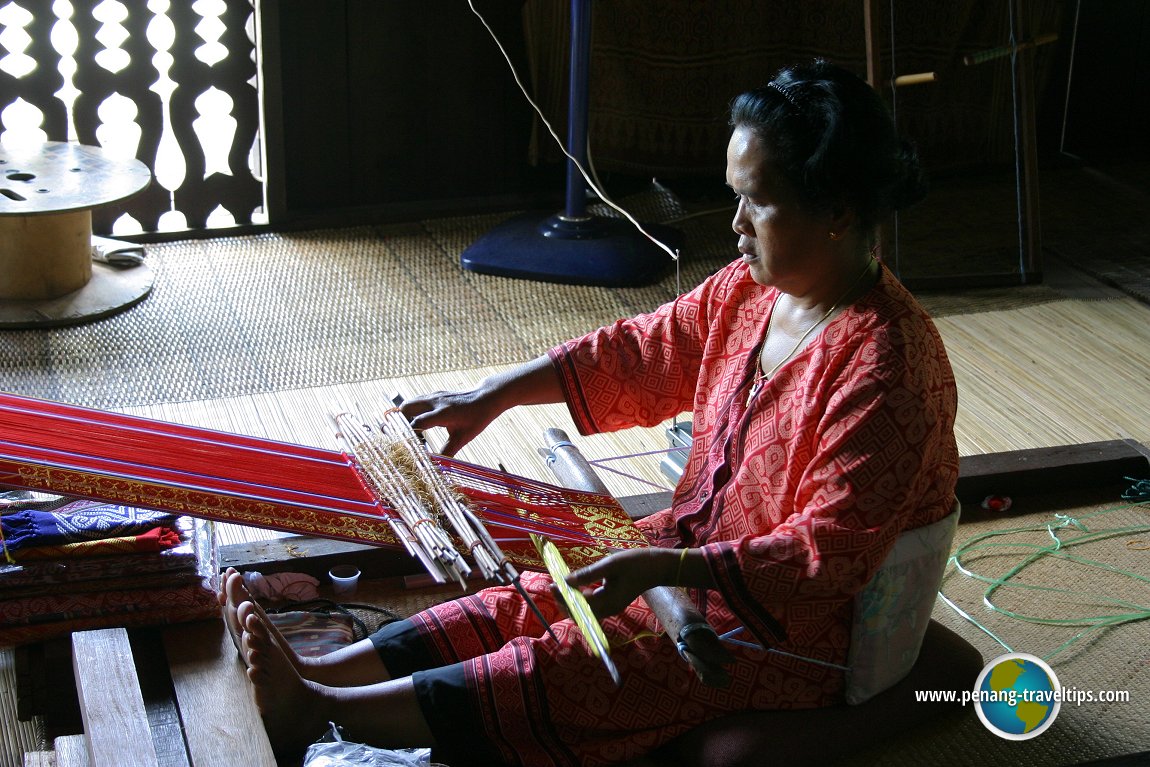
(574, 247)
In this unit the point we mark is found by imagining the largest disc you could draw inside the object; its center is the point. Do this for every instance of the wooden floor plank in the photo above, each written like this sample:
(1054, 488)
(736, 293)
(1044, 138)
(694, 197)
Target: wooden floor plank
(159, 697)
(219, 716)
(115, 721)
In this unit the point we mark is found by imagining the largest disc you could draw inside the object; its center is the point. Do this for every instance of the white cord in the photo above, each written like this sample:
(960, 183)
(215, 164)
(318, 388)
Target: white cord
(894, 118)
(1069, 80)
(586, 177)
(1014, 112)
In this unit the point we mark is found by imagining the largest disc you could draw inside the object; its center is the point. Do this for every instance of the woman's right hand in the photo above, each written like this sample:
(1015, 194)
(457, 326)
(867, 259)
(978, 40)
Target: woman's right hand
(462, 414)
(466, 413)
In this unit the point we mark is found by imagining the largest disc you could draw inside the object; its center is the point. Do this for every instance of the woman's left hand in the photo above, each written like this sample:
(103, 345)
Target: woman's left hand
(623, 576)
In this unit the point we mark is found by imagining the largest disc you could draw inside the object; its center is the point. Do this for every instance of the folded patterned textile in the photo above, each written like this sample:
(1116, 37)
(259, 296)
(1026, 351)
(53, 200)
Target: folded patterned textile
(61, 607)
(156, 539)
(163, 580)
(36, 572)
(40, 618)
(92, 565)
(78, 521)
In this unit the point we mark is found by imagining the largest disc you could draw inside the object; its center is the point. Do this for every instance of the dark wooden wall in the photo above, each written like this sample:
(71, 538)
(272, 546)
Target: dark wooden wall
(393, 110)
(384, 110)
(1108, 109)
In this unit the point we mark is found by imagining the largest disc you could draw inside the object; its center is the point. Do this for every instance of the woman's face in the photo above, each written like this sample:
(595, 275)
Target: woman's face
(784, 245)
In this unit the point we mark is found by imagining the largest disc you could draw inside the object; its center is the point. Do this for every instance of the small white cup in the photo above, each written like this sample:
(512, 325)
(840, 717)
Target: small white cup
(344, 580)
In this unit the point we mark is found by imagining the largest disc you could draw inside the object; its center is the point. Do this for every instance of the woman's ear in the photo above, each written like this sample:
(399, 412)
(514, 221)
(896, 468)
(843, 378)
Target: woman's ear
(842, 219)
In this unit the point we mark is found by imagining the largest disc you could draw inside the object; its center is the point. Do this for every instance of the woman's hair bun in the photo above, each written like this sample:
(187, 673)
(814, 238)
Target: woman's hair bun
(834, 139)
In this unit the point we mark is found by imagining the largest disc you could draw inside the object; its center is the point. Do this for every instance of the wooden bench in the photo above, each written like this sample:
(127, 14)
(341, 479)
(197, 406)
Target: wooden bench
(171, 697)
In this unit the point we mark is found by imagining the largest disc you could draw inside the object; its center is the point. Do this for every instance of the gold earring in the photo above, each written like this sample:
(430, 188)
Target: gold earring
(835, 235)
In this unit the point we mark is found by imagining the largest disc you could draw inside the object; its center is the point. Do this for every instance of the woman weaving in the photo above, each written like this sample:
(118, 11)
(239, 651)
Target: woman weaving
(823, 409)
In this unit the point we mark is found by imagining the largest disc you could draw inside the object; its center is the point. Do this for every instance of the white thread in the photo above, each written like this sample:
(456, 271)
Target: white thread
(1069, 80)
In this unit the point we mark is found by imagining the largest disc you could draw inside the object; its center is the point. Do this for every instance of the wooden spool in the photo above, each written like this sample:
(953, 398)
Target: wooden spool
(47, 192)
(43, 257)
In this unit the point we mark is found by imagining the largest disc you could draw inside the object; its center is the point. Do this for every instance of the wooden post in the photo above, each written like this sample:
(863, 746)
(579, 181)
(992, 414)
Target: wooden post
(221, 723)
(873, 60)
(873, 75)
(1027, 146)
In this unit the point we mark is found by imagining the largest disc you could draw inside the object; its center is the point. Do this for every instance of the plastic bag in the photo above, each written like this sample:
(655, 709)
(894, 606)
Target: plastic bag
(333, 751)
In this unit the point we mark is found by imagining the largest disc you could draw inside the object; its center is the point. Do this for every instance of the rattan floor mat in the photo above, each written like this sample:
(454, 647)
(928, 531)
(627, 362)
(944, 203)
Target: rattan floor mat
(241, 315)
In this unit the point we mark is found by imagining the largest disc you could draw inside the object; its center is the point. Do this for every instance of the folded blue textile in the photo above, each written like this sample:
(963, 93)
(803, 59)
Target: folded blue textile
(78, 521)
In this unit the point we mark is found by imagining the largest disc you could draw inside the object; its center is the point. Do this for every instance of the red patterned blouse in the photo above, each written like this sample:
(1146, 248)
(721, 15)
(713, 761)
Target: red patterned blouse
(798, 496)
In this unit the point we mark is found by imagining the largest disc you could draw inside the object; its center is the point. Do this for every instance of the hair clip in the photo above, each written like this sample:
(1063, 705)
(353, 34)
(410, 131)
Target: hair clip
(785, 94)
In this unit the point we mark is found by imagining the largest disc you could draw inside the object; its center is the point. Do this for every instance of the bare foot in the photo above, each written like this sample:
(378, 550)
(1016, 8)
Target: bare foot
(232, 595)
(228, 607)
(295, 710)
(352, 666)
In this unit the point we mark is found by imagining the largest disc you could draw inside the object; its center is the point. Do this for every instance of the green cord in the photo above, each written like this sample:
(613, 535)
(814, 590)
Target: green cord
(1057, 548)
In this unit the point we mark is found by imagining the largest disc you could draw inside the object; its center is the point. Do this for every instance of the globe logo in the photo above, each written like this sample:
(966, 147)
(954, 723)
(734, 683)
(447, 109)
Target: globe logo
(1017, 696)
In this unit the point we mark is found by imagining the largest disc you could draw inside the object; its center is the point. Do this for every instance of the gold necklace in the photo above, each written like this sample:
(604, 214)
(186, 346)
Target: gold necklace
(763, 377)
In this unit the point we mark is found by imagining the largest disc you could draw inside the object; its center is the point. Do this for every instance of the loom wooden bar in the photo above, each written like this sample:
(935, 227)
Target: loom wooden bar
(1138, 447)
(115, 721)
(1048, 469)
(221, 723)
(314, 556)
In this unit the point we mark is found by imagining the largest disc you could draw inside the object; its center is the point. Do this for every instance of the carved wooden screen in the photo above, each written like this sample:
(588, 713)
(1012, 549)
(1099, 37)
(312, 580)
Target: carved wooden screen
(171, 82)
